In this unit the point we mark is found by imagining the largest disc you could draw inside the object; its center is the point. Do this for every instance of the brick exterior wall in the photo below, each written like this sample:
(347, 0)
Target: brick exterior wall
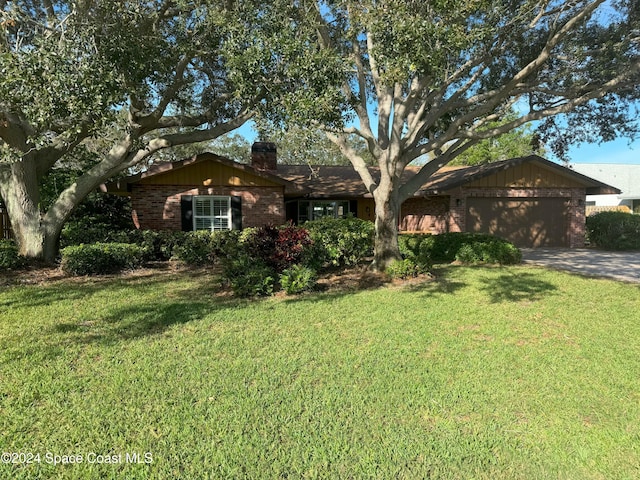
(157, 207)
(428, 215)
(575, 196)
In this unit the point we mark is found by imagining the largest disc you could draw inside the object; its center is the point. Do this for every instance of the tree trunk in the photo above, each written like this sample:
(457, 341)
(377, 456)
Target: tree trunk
(19, 190)
(386, 248)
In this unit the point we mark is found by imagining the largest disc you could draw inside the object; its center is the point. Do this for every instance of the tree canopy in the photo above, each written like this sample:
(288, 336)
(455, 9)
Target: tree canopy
(122, 80)
(433, 78)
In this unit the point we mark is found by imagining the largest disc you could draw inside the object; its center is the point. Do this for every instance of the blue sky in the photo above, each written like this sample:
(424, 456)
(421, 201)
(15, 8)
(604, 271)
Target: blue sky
(618, 151)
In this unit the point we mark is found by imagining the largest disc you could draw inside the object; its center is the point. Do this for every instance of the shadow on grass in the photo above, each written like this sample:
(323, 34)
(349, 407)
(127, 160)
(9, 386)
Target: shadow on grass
(136, 311)
(517, 287)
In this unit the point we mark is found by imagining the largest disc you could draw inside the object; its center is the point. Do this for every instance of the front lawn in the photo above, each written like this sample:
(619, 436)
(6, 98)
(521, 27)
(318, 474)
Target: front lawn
(496, 373)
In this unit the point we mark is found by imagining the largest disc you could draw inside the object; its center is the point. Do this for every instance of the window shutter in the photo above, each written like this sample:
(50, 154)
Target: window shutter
(353, 207)
(186, 212)
(236, 213)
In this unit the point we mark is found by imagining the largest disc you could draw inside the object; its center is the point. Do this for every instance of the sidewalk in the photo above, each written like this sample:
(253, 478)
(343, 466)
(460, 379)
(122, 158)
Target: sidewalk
(623, 266)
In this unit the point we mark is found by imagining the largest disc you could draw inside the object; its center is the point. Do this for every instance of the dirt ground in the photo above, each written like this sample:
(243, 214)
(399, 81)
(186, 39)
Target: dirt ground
(351, 279)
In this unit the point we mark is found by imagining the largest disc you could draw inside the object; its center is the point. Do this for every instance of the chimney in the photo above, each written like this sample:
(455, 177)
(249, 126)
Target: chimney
(264, 156)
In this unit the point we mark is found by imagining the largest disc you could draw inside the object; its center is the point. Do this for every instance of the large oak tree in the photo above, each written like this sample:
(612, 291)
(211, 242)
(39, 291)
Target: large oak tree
(436, 77)
(115, 82)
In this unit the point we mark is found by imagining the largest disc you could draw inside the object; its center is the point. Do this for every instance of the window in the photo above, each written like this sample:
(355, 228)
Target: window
(313, 210)
(212, 213)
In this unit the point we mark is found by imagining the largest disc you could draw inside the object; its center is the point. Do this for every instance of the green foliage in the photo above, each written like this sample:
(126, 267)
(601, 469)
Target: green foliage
(297, 279)
(195, 248)
(417, 248)
(464, 247)
(226, 243)
(248, 277)
(489, 251)
(101, 258)
(9, 257)
(406, 268)
(341, 241)
(516, 143)
(99, 218)
(614, 230)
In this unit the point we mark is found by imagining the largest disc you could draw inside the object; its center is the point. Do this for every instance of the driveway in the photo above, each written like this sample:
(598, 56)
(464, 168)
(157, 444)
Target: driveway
(623, 266)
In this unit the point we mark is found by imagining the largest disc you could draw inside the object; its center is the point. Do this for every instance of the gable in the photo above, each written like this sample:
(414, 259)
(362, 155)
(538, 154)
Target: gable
(527, 175)
(209, 173)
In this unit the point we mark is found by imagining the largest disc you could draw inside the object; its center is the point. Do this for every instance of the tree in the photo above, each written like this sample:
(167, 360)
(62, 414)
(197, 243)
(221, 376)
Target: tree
(433, 78)
(518, 142)
(128, 78)
(306, 145)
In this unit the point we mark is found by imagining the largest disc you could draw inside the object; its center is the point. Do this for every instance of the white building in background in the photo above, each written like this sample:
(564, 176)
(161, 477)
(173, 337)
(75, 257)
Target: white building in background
(624, 177)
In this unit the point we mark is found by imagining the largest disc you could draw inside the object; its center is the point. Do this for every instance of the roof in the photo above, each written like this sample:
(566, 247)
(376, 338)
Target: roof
(626, 177)
(344, 181)
(123, 185)
(325, 181)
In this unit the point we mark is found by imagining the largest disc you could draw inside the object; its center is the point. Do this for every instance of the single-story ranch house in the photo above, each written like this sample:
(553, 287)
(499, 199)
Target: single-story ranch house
(529, 200)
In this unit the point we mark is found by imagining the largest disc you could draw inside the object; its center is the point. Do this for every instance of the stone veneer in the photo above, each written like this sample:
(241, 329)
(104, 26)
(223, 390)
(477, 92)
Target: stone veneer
(157, 207)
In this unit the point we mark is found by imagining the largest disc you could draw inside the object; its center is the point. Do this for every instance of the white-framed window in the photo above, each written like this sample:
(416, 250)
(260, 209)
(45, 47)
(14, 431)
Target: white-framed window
(212, 213)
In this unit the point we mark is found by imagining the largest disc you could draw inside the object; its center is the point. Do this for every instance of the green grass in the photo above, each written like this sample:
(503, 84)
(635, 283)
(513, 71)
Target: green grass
(486, 373)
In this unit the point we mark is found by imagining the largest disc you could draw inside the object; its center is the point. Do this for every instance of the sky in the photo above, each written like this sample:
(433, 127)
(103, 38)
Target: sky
(618, 151)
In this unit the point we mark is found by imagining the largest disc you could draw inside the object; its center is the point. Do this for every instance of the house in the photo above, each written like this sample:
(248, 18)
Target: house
(529, 200)
(623, 176)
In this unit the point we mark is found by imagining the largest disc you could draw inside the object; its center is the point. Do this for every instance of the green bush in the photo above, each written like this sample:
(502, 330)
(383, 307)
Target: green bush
(196, 248)
(464, 247)
(297, 279)
(226, 243)
(489, 251)
(340, 241)
(248, 277)
(9, 257)
(101, 258)
(417, 248)
(614, 230)
(406, 268)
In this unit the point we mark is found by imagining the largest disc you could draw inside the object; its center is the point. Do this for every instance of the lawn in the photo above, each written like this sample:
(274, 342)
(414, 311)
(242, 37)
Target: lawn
(485, 373)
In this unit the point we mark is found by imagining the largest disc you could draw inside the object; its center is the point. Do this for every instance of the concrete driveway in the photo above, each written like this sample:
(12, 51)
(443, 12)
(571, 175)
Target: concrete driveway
(623, 266)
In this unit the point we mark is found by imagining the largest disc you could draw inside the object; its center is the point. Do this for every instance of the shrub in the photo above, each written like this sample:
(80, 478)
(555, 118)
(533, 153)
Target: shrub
(417, 248)
(490, 251)
(278, 248)
(404, 269)
(297, 279)
(226, 243)
(464, 247)
(101, 258)
(341, 241)
(614, 230)
(9, 257)
(248, 277)
(195, 248)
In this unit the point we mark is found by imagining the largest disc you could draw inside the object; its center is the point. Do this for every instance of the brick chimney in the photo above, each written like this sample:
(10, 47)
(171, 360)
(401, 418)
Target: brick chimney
(264, 156)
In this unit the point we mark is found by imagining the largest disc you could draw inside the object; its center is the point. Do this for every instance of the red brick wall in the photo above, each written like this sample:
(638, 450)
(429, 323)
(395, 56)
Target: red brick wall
(428, 215)
(575, 196)
(157, 207)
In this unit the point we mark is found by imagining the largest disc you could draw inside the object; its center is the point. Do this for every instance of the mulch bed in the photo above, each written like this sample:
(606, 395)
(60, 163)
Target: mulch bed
(338, 280)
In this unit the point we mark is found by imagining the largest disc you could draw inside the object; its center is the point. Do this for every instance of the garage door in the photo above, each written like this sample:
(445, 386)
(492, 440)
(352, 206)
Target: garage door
(541, 222)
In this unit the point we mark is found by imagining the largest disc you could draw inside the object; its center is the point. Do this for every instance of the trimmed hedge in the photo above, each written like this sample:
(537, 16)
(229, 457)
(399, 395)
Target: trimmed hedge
(101, 258)
(614, 230)
(9, 257)
(463, 247)
(340, 241)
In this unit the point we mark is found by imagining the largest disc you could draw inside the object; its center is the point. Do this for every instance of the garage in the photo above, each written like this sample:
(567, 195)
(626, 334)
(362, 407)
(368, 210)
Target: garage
(526, 222)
